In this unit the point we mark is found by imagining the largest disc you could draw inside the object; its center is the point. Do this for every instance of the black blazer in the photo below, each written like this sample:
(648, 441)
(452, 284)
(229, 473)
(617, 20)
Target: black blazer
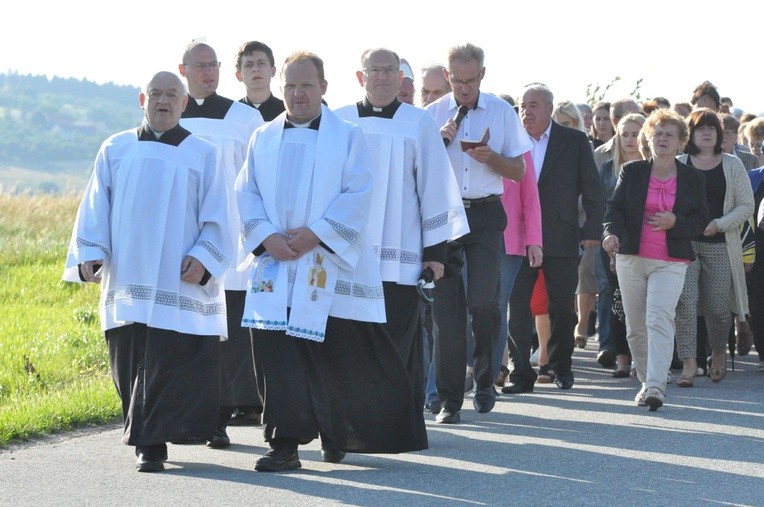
(626, 208)
(569, 172)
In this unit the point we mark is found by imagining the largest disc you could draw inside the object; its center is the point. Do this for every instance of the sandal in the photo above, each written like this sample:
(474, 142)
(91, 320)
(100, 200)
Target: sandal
(546, 375)
(619, 373)
(718, 374)
(580, 341)
(685, 380)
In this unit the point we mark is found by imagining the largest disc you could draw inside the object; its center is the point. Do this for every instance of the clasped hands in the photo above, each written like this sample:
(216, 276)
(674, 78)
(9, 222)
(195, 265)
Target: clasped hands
(291, 246)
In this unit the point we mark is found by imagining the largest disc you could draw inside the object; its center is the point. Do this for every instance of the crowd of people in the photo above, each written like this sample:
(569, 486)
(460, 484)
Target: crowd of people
(337, 272)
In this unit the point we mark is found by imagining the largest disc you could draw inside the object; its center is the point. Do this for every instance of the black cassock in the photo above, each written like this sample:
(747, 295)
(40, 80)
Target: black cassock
(169, 383)
(353, 389)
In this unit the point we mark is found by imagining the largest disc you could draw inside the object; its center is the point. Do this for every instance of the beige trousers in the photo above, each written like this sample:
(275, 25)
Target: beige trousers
(650, 290)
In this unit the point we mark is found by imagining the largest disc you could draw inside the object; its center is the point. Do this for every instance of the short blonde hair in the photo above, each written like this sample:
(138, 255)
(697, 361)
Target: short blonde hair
(665, 117)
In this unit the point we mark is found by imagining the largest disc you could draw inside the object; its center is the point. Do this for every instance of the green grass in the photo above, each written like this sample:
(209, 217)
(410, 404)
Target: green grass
(54, 370)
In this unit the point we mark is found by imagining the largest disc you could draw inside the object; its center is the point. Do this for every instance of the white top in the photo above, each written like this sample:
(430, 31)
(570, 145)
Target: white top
(508, 137)
(231, 136)
(146, 207)
(334, 199)
(416, 200)
(538, 153)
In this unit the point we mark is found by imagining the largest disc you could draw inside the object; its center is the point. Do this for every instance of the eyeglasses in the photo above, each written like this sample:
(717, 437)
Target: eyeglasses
(375, 71)
(667, 135)
(466, 82)
(203, 65)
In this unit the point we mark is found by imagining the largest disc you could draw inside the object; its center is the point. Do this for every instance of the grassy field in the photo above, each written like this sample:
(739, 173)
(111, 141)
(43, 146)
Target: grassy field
(54, 371)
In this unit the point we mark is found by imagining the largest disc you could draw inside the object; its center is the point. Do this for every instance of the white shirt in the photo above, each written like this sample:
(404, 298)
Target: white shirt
(539, 150)
(507, 137)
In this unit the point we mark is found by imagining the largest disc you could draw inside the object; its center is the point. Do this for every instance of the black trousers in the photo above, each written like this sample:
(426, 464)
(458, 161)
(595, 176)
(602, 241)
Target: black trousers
(617, 325)
(561, 276)
(482, 249)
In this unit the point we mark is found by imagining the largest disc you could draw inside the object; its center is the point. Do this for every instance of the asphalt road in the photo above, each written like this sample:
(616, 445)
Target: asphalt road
(587, 446)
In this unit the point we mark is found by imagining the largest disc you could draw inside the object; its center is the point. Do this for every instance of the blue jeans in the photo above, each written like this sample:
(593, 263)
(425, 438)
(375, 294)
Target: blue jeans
(510, 265)
(604, 303)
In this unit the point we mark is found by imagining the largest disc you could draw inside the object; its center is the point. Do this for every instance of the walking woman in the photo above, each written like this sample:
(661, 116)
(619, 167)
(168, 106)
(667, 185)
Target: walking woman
(656, 207)
(714, 286)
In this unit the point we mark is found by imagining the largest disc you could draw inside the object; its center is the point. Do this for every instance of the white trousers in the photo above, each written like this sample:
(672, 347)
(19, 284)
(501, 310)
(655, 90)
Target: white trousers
(650, 290)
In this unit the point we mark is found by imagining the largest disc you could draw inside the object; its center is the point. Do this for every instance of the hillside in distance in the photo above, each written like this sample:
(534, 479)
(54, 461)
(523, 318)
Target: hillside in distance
(51, 129)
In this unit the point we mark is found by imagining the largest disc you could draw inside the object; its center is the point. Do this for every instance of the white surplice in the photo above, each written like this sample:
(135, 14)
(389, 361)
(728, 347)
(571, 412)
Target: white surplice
(416, 201)
(322, 180)
(231, 136)
(146, 207)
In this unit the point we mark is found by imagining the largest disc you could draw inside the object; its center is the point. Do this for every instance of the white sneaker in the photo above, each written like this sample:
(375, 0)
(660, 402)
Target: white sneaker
(535, 357)
(640, 397)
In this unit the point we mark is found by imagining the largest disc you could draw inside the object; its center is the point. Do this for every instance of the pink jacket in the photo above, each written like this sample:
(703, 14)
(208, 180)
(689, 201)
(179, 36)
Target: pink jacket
(521, 204)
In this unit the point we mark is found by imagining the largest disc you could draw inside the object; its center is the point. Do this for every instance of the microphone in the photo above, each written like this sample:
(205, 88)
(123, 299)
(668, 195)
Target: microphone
(460, 114)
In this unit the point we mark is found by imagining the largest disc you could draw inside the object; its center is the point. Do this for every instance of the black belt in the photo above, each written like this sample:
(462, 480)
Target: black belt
(468, 203)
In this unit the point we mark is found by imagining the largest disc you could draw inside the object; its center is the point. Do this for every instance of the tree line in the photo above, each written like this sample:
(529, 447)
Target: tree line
(60, 119)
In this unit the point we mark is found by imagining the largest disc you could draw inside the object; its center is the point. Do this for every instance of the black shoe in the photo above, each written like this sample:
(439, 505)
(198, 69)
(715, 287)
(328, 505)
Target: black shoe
(485, 399)
(434, 407)
(279, 460)
(469, 383)
(151, 458)
(606, 358)
(564, 382)
(245, 418)
(332, 456)
(515, 388)
(447, 417)
(220, 440)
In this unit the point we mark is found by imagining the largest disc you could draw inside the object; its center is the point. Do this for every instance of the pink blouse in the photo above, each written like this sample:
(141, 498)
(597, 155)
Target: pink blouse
(521, 205)
(661, 195)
